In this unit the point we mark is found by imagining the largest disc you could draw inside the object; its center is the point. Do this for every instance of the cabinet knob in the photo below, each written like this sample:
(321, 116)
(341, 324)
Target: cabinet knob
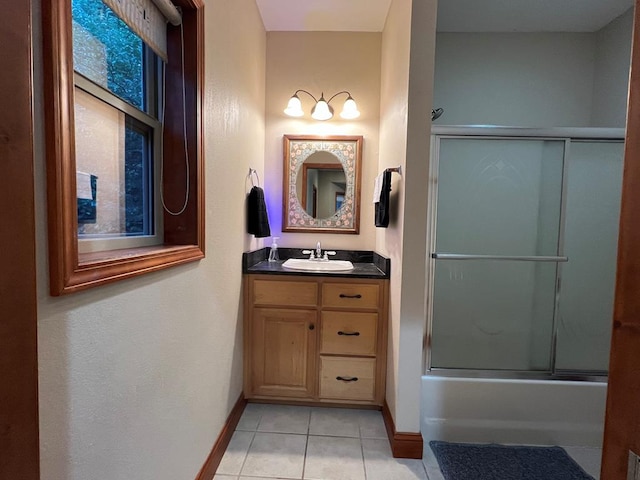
(312, 326)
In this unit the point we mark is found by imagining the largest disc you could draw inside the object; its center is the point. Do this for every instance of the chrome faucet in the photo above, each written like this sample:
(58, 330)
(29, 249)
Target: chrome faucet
(318, 253)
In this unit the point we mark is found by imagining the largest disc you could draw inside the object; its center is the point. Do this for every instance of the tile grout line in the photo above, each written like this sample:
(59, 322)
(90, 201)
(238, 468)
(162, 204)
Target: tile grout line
(306, 445)
(307, 434)
(364, 466)
(247, 454)
(250, 444)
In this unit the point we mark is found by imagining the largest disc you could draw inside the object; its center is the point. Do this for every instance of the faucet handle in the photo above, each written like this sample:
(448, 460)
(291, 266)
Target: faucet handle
(308, 252)
(329, 252)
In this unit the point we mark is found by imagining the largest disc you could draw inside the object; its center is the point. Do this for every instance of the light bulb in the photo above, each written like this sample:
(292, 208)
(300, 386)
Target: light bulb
(322, 110)
(350, 109)
(294, 107)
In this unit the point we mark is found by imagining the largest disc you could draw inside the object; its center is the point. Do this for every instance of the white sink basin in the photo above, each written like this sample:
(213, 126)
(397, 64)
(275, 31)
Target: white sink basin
(318, 265)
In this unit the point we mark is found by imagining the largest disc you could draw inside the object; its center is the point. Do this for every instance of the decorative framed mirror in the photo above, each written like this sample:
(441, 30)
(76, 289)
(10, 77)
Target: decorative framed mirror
(322, 184)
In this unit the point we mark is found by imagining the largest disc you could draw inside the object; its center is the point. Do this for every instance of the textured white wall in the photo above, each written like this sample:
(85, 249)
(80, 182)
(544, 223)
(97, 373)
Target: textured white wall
(416, 185)
(322, 62)
(138, 377)
(611, 85)
(394, 97)
(523, 79)
(408, 46)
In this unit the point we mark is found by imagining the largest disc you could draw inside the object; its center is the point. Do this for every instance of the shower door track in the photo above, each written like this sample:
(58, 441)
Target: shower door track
(562, 375)
(587, 133)
(519, 258)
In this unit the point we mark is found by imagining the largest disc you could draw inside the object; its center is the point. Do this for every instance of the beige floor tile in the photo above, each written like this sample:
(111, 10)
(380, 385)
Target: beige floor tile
(589, 458)
(434, 474)
(380, 465)
(334, 458)
(371, 424)
(284, 419)
(275, 455)
(251, 417)
(261, 478)
(431, 464)
(235, 454)
(338, 422)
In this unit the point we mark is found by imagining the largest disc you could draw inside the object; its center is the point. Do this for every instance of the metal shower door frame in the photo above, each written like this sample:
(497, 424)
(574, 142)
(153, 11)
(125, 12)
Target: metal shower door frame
(567, 135)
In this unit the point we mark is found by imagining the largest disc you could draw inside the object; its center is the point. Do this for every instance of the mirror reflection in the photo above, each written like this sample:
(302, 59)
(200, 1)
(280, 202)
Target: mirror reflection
(321, 185)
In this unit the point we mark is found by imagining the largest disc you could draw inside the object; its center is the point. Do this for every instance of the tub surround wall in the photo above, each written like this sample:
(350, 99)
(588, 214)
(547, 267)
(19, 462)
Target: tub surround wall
(523, 79)
(534, 79)
(611, 81)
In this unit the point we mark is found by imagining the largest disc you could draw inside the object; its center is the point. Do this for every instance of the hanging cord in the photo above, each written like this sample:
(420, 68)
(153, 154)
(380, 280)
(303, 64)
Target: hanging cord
(184, 132)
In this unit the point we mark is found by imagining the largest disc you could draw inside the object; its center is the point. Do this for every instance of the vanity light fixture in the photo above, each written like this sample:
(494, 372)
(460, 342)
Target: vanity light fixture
(322, 110)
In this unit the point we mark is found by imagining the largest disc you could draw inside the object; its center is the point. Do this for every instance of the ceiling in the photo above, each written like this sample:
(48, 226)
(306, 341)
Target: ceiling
(324, 15)
(453, 15)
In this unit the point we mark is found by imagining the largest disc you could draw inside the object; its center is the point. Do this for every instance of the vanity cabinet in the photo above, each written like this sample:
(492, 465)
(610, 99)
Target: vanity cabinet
(315, 339)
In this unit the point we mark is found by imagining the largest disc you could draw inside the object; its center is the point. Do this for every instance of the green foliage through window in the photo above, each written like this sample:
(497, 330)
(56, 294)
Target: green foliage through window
(111, 55)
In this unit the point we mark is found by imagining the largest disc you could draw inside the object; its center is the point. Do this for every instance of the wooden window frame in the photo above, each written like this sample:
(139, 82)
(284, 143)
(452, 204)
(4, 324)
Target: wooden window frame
(184, 237)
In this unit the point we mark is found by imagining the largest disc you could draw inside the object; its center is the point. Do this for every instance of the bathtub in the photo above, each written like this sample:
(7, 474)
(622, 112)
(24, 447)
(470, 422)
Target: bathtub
(534, 412)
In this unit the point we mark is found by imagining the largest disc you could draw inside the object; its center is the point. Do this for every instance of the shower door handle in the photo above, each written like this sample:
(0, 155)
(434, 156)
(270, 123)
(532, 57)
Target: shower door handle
(517, 258)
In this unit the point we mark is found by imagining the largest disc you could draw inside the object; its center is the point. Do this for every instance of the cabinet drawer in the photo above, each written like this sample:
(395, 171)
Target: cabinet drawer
(295, 294)
(348, 333)
(345, 378)
(350, 295)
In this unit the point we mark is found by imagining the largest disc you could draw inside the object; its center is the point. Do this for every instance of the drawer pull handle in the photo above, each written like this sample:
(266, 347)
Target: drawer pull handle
(347, 379)
(344, 295)
(350, 334)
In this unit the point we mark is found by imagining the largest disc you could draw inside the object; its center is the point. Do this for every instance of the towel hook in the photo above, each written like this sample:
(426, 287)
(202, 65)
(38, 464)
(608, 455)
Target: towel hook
(253, 172)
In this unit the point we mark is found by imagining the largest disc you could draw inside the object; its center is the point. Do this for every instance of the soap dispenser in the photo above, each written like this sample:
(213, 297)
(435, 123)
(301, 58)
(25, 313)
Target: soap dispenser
(273, 254)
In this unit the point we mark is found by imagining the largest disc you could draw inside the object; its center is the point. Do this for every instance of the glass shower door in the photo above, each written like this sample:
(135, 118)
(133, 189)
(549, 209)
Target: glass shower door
(496, 253)
(594, 190)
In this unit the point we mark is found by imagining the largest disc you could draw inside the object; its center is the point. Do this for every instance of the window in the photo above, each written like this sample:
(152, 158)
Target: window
(108, 140)
(117, 100)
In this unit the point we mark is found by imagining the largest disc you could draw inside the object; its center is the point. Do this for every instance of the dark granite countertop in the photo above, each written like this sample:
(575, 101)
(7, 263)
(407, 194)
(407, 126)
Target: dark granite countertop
(367, 264)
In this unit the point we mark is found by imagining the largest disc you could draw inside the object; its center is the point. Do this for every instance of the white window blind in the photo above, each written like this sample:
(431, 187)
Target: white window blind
(148, 19)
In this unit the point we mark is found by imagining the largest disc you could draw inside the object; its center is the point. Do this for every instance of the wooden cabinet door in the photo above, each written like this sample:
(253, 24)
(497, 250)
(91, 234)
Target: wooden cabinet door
(283, 351)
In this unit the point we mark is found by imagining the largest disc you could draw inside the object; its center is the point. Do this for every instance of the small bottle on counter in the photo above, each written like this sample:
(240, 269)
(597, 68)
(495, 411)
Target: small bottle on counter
(273, 254)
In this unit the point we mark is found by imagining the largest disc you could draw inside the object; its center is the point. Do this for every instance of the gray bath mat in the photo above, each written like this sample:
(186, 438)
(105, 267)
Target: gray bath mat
(463, 461)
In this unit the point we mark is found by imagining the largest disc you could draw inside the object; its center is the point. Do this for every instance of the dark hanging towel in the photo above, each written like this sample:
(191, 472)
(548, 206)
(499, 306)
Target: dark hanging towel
(382, 207)
(257, 219)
